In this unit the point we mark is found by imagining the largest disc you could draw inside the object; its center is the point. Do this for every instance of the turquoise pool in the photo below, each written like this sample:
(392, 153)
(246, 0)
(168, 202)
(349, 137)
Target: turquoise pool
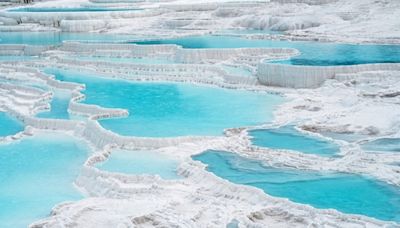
(36, 174)
(173, 109)
(344, 192)
(9, 125)
(289, 138)
(313, 53)
(58, 106)
(140, 162)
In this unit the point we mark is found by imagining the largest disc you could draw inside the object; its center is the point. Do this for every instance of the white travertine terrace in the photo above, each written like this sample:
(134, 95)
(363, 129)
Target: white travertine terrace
(331, 99)
(69, 21)
(19, 50)
(122, 50)
(107, 189)
(293, 76)
(258, 208)
(250, 56)
(212, 200)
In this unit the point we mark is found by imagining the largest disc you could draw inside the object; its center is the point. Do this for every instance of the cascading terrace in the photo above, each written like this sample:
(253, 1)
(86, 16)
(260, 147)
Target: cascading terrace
(189, 130)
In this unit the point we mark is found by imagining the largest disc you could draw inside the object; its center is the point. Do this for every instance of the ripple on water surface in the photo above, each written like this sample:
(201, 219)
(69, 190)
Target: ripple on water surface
(37, 173)
(140, 162)
(173, 109)
(345, 192)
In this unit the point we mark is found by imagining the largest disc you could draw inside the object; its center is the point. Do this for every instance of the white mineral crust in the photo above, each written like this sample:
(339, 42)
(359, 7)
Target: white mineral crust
(360, 100)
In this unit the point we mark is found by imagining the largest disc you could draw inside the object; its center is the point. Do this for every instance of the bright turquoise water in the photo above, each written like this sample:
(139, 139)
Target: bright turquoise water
(54, 38)
(382, 145)
(290, 139)
(140, 162)
(35, 174)
(9, 125)
(313, 53)
(344, 192)
(75, 9)
(58, 106)
(173, 109)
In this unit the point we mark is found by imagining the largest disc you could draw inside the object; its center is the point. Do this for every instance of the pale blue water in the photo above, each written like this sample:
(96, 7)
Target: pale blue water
(289, 138)
(140, 162)
(383, 145)
(313, 53)
(62, 10)
(9, 125)
(173, 109)
(37, 173)
(16, 57)
(349, 137)
(55, 38)
(58, 106)
(344, 192)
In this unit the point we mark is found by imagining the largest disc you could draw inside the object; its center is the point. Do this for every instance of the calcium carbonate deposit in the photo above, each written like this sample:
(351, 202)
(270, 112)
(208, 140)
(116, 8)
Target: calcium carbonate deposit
(214, 113)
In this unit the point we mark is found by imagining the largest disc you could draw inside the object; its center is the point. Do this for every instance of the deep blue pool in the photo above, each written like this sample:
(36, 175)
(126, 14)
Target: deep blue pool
(345, 192)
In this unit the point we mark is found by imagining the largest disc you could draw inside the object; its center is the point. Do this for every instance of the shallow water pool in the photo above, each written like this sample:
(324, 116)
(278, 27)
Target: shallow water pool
(289, 138)
(58, 106)
(383, 145)
(16, 57)
(9, 125)
(35, 174)
(173, 109)
(345, 192)
(312, 53)
(140, 162)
